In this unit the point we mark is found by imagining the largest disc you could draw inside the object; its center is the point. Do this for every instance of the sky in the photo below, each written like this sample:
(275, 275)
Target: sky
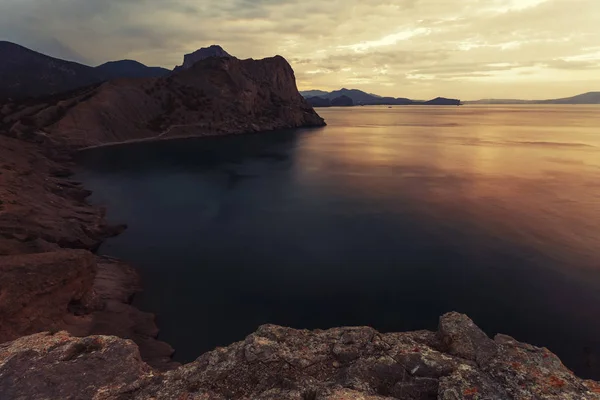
(467, 49)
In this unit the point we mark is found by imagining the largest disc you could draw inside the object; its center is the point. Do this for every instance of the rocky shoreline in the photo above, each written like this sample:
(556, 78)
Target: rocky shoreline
(50, 278)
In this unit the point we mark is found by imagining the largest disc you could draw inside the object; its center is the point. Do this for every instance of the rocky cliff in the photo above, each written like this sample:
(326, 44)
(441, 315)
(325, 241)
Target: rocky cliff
(44, 283)
(458, 362)
(216, 96)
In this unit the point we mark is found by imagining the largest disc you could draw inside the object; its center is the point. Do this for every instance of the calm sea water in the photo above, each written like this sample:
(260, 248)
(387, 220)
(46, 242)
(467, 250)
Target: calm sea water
(386, 217)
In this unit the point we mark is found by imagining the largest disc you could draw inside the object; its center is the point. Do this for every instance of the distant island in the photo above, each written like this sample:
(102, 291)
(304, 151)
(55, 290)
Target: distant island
(585, 98)
(355, 97)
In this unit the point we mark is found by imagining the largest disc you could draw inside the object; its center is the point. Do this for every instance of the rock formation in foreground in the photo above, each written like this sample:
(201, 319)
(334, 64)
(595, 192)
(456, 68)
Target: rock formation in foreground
(458, 362)
(216, 96)
(49, 278)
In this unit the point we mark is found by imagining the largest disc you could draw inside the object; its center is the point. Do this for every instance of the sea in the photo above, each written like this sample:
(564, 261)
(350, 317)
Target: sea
(386, 217)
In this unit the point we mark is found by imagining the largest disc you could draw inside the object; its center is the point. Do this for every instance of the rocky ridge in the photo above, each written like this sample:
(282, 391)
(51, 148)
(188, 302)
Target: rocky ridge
(458, 362)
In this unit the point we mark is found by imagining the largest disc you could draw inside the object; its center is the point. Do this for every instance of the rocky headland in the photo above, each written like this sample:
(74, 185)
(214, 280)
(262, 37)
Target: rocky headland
(68, 330)
(216, 96)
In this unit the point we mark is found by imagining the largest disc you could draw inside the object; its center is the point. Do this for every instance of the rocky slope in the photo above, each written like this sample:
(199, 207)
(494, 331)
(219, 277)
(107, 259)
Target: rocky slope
(216, 96)
(44, 284)
(458, 362)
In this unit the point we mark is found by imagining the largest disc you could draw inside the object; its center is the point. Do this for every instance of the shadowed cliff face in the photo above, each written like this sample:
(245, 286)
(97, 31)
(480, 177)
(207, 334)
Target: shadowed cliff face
(458, 362)
(217, 96)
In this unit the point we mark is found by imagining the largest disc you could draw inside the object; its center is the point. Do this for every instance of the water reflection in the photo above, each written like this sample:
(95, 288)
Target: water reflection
(387, 217)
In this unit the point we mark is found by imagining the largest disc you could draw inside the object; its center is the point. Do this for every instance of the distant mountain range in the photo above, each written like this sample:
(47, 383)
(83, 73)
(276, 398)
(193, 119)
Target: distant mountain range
(27, 73)
(319, 98)
(585, 98)
(129, 69)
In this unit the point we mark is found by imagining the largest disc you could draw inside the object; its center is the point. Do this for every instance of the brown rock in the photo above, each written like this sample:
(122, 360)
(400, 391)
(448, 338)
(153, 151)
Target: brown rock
(36, 289)
(282, 363)
(62, 289)
(39, 212)
(115, 284)
(461, 337)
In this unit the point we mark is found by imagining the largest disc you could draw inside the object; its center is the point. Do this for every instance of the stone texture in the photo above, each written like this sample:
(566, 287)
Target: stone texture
(78, 292)
(58, 366)
(40, 208)
(46, 287)
(283, 363)
(115, 284)
(36, 289)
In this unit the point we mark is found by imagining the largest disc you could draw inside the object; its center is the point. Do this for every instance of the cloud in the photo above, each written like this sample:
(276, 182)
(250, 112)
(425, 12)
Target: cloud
(411, 48)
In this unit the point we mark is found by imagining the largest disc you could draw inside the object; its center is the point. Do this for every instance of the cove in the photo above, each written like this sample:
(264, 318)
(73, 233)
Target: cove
(386, 217)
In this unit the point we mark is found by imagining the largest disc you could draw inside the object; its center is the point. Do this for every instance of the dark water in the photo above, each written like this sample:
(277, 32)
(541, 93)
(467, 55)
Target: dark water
(387, 217)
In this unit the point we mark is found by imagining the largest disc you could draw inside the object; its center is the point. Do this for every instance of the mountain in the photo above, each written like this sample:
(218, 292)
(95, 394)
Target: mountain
(362, 98)
(206, 52)
(341, 101)
(314, 93)
(27, 73)
(317, 101)
(440, 101)
(216, 96)
(585, 98)
(129, 69)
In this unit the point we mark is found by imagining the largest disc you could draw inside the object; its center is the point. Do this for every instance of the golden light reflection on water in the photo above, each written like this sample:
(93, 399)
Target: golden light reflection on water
(526, 174)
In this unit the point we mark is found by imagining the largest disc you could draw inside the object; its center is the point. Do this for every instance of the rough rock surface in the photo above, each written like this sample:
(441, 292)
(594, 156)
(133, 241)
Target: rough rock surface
(36, 289)
(457, 363)
(216, 96)
(41, 209)
(114, 285)
(46, 287)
